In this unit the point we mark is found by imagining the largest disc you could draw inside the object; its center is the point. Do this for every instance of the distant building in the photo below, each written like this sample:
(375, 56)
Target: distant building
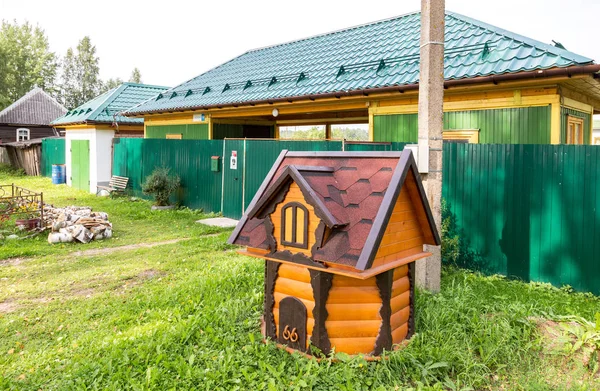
(596, 132)
(91, 128)
(29, 117)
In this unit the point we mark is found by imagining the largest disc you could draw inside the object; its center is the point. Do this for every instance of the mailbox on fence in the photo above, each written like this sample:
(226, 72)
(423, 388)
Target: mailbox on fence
(214, 163)
(340, 234)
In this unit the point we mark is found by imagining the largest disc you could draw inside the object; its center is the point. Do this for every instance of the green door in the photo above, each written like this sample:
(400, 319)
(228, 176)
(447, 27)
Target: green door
(80, 164)
(233, 181)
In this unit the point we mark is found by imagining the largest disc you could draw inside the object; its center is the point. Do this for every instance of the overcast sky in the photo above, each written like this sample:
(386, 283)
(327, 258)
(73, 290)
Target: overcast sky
(173, 41)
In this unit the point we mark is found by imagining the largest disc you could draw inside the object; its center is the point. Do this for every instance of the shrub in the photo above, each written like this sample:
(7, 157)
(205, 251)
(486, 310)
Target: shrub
(7, 169)
(161, 184)
(450, 240)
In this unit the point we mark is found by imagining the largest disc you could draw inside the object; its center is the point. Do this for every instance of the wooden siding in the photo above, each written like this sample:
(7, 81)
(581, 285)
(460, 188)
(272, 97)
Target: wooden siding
(403, 235)
(400, 304)
(353, 320)
(188, 132)
(525, 125)
(294, 281)
(294, 195)
(8, 134)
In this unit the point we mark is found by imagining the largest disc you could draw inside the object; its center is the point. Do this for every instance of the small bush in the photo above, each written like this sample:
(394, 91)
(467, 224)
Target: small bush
(7, 169)
(161, 184)
(450, 239)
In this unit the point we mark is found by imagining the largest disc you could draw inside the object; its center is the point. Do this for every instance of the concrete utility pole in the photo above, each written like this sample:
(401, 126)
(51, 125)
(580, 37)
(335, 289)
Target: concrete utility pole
(431, 111)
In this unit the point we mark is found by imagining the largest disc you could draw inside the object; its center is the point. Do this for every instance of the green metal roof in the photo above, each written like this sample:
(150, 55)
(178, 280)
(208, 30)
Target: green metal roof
(379, 54)
(104, 108)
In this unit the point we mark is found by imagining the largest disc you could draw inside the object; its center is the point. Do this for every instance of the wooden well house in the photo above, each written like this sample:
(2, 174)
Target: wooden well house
(340, 233)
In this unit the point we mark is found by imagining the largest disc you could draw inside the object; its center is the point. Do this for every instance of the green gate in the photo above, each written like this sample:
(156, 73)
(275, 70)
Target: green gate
(233, 178)
(80, 164)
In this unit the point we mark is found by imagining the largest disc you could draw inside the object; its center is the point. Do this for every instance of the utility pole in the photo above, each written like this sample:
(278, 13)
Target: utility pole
(431, 111)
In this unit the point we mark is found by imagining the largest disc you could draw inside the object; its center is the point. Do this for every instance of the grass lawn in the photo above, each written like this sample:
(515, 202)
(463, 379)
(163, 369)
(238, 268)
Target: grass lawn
(186, 315)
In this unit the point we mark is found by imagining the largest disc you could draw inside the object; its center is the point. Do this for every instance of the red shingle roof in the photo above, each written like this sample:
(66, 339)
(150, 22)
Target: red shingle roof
(350, 192)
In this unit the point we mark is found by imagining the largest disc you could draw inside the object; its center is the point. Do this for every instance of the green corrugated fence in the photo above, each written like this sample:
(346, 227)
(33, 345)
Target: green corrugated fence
(201, 188)
(529, 211)
(53, 152)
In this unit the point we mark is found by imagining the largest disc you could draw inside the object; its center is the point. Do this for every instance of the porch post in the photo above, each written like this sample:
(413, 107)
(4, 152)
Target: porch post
(431, 110)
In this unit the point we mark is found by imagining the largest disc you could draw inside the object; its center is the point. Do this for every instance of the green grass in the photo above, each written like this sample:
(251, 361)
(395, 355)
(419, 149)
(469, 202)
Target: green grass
(133, 222)
(186, 316)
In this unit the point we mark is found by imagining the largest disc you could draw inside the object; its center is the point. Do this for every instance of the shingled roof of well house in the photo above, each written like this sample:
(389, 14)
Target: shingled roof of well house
(374, 55)
(352, 192)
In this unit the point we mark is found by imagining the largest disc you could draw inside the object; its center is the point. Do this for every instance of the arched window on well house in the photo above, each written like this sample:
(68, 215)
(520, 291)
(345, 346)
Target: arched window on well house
(294, 225)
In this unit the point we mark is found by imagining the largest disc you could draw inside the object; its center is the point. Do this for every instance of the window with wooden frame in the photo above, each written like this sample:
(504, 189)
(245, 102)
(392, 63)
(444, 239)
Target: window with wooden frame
(294, 225)
(23, 134)
(178, 136)
(574, 130)
(466, 136)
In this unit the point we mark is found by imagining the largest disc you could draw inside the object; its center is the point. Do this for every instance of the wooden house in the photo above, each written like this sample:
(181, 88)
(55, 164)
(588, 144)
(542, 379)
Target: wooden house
(29, 117)
(91, 128)
(500, 87)
(339, 232)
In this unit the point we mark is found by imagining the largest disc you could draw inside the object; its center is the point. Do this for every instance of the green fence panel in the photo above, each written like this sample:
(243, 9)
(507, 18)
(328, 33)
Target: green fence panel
(527, 211)
(261, 154)
(53, 152)
(202, 188)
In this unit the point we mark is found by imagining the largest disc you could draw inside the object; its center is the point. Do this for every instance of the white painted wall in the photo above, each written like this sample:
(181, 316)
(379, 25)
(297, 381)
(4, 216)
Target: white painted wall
(104, 139)
(100, 154)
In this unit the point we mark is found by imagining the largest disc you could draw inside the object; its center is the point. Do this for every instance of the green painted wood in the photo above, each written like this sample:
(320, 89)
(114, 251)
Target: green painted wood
(527, 125)
(587, 117)
(188, 132)
(80, 164)
(397, 128)
(53, 152)
(527, 211)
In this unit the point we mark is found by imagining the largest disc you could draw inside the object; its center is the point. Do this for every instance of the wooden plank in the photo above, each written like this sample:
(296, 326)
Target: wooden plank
(400, 301)
(399, 334)
(353, 311)
(295, 288)
(352, 328)
(400, 317)
(363, 345)
(349, 295)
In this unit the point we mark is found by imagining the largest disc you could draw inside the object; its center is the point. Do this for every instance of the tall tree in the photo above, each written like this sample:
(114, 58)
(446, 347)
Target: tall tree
(81, 81)
(136, 76)
(110, 84)
(25, 61)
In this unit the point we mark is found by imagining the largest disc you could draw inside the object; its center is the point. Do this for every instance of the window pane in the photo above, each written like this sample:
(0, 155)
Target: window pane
(288, 224)
(299, 225)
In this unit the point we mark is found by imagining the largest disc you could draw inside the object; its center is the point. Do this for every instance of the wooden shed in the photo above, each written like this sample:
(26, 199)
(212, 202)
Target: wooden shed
(339, 232)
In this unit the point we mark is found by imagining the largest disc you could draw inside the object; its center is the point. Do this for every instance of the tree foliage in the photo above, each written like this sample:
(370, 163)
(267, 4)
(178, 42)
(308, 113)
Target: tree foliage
(318, 133)
(136, 76)
(81, 74)
(110, 84)
(25, 61)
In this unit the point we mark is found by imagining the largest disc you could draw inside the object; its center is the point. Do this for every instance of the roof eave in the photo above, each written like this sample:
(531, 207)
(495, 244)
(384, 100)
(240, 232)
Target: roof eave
(569, 71)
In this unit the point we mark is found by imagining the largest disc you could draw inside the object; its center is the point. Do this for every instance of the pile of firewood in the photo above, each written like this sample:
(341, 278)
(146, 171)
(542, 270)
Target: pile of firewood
(78, 224)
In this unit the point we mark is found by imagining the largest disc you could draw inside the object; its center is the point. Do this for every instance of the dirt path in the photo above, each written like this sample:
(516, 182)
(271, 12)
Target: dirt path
(99, 251)
(110, 250)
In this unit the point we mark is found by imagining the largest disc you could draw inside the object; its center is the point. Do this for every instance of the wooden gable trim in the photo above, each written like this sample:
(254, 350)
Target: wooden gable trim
(292, 173)
(238, 229)
(406, 163)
